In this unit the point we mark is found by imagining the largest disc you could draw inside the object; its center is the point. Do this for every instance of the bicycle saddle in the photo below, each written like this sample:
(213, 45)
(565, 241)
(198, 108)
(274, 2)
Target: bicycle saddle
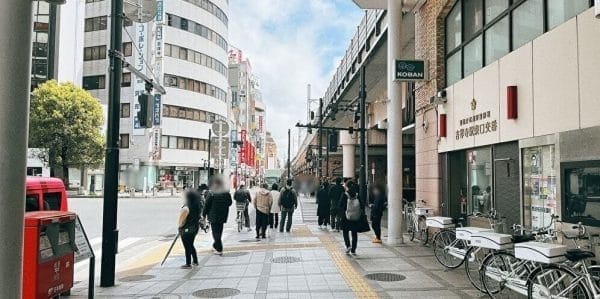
(522, 238)
(576, 255)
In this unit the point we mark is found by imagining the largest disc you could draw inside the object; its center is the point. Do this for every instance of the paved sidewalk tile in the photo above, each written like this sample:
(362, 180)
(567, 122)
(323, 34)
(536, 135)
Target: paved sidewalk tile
(307, 263)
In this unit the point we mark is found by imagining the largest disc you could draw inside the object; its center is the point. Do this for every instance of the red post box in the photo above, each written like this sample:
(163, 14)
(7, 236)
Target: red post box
(48, 254)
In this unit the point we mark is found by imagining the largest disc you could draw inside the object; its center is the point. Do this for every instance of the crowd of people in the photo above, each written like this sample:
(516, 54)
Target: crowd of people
(340, 208)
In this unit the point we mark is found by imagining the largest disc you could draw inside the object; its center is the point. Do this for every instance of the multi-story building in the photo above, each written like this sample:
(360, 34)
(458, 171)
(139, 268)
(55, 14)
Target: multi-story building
(271, 155)
(185, 50)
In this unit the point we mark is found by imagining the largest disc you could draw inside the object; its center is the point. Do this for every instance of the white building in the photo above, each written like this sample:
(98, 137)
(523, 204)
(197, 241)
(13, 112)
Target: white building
(185, 50)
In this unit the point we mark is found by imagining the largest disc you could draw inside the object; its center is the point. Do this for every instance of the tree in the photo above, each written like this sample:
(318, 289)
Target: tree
(66, 121)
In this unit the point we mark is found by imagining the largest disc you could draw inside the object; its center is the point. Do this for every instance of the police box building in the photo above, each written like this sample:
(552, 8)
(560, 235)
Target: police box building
(509, 119)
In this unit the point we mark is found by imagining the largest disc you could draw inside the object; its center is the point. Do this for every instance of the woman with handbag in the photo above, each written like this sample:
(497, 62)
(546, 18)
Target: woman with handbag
(188, 227)
(354, 219)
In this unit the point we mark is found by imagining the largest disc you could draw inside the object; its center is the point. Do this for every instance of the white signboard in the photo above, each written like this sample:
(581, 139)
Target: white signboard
(84, 249)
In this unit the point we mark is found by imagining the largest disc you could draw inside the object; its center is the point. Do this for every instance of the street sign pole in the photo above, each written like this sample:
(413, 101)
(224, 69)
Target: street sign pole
(111, 168)
(209, 141)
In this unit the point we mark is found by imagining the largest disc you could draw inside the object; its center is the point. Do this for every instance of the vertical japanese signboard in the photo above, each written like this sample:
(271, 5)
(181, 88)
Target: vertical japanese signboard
(139, 87)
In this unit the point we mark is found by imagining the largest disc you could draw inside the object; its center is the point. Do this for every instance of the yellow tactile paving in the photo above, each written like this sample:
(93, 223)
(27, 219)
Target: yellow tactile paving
(357, 283)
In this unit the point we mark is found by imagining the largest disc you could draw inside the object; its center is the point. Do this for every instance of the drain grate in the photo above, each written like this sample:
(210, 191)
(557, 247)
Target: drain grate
(235, 254)
(385, 277)
(286, 259)
(136, 278)
(249, 240)
(216, 293)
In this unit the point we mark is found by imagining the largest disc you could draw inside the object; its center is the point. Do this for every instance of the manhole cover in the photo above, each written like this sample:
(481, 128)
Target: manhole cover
(234, 254)
(385, 277)
(249, 240)
(136, 278)
(286, 259)
(216, 293)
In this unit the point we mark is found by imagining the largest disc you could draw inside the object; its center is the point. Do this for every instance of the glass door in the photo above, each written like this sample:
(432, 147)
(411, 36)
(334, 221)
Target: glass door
(479, 194)
(539, 186)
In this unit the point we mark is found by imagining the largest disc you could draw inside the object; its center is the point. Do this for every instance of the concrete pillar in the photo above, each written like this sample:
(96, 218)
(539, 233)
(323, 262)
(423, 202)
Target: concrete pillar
(15, 76)
(394, 133)
(348, 143)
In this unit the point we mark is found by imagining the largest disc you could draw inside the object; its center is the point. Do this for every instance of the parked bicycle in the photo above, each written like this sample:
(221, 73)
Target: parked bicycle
(415, 218)
(241, 217)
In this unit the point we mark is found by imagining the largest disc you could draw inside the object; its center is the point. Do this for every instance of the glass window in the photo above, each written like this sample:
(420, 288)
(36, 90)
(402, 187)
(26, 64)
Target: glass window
(126, 80)
(496, 41)
(189, 114)
(164, 142)
(473, 17)
(168, 50)
(172, 142)
(94, 82)
(560, 11)
(31, 203)
(480, 181)
(180, 143)
(174, 111)
(473, 56)
(125, 110)
(528, 22)
(184, 24)
(183, 53)
(453, 28)
(581, 198)
(124, 141)
(165, 110)
(494, 8)
(196, 115)
(539, 186)
(52, 201)
(453, 68)
(127, 49)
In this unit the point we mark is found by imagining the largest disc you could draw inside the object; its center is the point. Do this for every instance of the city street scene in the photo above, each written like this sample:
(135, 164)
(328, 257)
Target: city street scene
(300, 149)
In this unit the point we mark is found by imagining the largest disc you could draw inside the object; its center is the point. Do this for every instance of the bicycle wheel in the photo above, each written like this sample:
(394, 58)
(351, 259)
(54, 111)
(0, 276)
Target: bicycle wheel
(473, 261)
(423, 230)
(410, 228)
(240, 221)
(445, 248)
(555, 281)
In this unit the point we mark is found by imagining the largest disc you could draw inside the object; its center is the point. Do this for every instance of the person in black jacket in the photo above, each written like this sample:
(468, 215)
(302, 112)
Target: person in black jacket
(242, 196)
(324, 205)
(188, 227)
(355, 226)
(217, 206)
(335, 193)
(377, 202)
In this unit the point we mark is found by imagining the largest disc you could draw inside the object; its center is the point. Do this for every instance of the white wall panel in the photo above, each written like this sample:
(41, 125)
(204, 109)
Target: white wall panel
(589, 68)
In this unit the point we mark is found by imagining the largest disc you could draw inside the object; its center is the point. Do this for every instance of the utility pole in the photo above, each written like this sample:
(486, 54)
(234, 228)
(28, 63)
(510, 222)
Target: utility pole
(209, 144)
(289, 176)
(362, 98)
(15, 84)
(320, 159)
(327, 155)
(110, 233)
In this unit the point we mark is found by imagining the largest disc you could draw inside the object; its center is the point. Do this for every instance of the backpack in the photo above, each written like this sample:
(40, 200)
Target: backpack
(353, 210)
(287, 199)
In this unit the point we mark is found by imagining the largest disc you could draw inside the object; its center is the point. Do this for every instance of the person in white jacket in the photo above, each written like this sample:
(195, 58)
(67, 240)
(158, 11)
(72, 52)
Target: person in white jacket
(275, 209)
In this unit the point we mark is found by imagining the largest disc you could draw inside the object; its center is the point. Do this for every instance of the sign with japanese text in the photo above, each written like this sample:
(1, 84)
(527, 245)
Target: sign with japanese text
(139, 87)
(156, 111)
(477, 124)
(155, 139)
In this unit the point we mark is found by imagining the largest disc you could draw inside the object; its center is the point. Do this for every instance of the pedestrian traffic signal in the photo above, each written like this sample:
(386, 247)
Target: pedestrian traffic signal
(144, 115)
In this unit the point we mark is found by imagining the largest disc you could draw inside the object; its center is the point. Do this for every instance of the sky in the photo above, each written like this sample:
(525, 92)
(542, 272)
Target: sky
(291, 43)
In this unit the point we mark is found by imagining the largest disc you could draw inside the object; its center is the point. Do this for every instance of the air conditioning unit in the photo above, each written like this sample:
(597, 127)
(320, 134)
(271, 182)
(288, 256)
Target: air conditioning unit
(242, 93)
(382, 125)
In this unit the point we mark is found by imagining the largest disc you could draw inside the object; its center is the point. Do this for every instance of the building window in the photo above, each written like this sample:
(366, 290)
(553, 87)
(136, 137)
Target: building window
(480, 32)
(94, 82)
(198, 29)
(190, 85)
(127, 22)
(125, 110)
(127, 49)
(124, 141)
(528, 22)
(95, 24)
(94, 53)
(172, 142)
(92, 1)
(539, 186)
(126, 80)
(560, 11)
(581, 192)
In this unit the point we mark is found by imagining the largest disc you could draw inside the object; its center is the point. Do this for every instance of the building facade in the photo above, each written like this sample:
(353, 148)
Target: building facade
(184, 49)
(516, 132)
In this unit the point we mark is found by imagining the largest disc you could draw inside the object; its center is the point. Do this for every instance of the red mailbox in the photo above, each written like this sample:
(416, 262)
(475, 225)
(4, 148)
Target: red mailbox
(48, 254)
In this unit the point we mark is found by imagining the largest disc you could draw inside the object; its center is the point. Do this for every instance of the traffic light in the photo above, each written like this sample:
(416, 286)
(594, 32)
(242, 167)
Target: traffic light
(146, 111)
(351, 130)
(333, 142)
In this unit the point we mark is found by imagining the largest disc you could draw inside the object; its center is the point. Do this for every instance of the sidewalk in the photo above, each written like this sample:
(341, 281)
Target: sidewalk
(307, 263)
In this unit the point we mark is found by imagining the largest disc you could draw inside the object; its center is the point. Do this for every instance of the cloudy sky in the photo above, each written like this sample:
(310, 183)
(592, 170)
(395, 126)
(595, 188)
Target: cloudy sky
(291, 43)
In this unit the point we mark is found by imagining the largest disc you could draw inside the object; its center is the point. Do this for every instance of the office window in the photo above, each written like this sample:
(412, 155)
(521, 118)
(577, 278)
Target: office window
(127, 49)
(453, 28)
(125, 110)
(528, 22)
(172, 142)
(183, 53)
(184, 24)
(496, 41)
(126, 80)
(473, 56)
(493, 8)
(454, 68)
(581, 191)
(165, 111)
(167, 50)
(124, 141)
(94, 82)
(180, 143)
(164, 142)
(94, 53)
(473, 18)
(560, 11)
(127, 22)
(95, 24)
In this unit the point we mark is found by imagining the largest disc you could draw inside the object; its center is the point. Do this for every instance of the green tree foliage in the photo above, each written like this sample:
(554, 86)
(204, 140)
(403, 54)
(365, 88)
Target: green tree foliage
(66, 120)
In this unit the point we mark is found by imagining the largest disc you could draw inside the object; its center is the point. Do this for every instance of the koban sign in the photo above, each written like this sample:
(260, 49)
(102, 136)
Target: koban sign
(410, 70)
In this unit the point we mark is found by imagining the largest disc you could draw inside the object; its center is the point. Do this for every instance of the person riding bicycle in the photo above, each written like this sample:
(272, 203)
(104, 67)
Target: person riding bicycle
(242, 198)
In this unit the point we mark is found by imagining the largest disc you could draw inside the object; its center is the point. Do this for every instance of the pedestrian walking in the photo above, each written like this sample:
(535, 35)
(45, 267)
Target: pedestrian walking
(288, 203)
(188, 227)
(354, 220)
(242, 198)
(377, 203)
(335, 193)
(323, 205)
(275, 209)
(217, 206)
(262, 204)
